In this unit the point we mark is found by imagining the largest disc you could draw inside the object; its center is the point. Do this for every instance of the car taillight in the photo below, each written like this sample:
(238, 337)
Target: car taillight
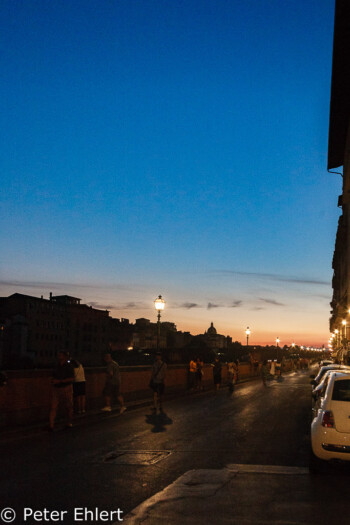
(328, 419)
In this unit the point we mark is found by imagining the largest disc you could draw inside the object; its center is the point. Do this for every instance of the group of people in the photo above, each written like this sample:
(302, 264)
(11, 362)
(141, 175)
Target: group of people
(68, 382)
(68, 385)
(273, 369)
(196, 374)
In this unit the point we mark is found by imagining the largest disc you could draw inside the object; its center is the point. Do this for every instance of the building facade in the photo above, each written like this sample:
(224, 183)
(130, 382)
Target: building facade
(34, 330)
(339, 156)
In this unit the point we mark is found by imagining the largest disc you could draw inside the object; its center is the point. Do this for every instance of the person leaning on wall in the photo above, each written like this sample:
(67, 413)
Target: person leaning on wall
(62, 389)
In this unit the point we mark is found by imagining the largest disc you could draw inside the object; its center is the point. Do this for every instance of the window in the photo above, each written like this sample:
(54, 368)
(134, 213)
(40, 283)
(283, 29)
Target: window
(341, 390)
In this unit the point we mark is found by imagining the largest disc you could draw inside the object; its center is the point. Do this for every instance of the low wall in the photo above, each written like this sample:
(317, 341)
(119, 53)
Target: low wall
(25, 399)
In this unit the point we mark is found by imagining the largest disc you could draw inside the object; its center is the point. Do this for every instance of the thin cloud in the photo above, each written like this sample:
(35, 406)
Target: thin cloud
(276, 277)
(132, 306)
(189, 306)
(61, 285)
(212, 305)
(236, 304)
(271, 301)
(100, 306)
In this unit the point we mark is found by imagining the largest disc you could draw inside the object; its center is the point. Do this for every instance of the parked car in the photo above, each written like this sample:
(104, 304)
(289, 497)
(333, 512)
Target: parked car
(326, 362)
(319, 391)
(330, 428)
(316, 380)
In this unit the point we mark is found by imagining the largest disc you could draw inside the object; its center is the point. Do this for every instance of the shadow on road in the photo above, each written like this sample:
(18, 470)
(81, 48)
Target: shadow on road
(159, 421)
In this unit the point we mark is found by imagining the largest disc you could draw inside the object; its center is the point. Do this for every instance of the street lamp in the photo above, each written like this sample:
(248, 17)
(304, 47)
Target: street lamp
(336, 331)
(159, 304)
(277, 343)
(344, 325)
(247, 333)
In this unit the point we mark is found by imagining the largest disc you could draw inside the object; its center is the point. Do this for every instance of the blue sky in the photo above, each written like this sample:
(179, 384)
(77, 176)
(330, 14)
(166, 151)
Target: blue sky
(173, 147)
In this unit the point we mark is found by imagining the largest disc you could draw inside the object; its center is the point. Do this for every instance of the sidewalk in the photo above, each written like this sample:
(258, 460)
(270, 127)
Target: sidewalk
(240, 494)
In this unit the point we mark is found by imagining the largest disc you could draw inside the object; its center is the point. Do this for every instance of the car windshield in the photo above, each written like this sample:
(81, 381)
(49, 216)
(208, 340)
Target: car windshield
(341, 390)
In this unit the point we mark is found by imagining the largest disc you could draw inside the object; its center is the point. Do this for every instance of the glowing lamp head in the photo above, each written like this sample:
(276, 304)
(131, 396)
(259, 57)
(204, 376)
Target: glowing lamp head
(159, 303)
(336, 331)
(343, 322)
(277, 340)
(247, 332)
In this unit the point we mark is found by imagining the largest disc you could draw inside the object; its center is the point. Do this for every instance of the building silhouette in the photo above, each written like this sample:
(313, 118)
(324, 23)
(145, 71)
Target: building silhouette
(339, 155)
(215, 341)
(34, 329)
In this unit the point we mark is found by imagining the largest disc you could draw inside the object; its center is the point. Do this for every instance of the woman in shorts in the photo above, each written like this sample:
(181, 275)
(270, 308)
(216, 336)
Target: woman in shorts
(79, 386)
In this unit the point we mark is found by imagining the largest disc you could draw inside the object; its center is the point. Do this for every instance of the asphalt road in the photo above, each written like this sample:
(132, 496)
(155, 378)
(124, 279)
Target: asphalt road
(120, 461)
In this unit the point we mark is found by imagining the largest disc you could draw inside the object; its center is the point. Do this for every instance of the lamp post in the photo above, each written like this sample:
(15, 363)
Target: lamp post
(247, 333)
(344, 323)
(159, 304)
(277, 347)
(336, 337)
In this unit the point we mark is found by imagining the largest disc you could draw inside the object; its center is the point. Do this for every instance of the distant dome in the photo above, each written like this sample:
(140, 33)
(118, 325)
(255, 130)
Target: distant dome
(212, 330)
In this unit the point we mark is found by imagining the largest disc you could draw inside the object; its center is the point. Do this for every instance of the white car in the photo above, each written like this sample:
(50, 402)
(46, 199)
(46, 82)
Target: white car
(319, 391)
(316, 380)
(326, 362)
(330, 428)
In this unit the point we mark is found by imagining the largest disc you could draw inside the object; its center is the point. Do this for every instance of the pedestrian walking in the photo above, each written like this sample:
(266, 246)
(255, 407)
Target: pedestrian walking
(217, 373)
(264, 373)
(199, 373)
(112, 388)
(192, 374)
(236, 367)
(278, 369)
(62, 389)
(273, 369)
(256, 367)
(157, 382)
(79, 391)
(251, 360)
(231, 376)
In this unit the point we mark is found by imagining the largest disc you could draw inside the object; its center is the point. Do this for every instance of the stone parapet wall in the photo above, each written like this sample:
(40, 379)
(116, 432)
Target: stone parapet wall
(25, 399)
